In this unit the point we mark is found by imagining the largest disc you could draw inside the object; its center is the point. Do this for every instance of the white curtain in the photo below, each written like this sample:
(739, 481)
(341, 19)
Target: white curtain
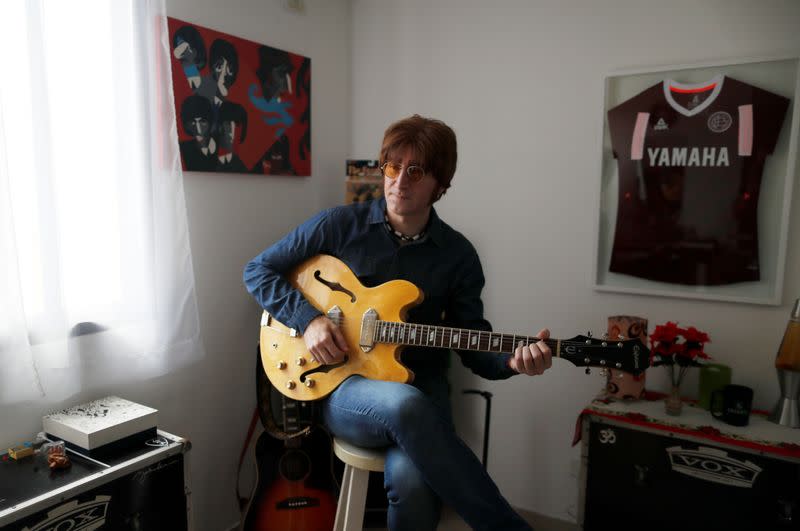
(96, 282)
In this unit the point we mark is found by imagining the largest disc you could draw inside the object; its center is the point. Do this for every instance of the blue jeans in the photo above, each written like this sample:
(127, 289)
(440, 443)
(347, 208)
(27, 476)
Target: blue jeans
(426, 461)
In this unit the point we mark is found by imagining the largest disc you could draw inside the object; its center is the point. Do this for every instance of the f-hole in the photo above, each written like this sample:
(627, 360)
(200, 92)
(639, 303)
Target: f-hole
(334, 286)
(323, 368)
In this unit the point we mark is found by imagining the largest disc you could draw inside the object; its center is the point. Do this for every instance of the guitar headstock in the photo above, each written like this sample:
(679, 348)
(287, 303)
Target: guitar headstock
(628, 355)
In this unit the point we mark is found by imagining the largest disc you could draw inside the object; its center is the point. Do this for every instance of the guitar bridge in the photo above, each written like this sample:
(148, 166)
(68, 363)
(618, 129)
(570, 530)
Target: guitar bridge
(368, 323)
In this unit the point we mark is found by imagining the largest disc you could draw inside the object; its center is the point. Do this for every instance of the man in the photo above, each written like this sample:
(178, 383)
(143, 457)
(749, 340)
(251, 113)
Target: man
(401, 236)
(231, 133)
(197, 116)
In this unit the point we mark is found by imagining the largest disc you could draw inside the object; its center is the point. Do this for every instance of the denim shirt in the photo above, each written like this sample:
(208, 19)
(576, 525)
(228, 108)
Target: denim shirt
(443, 264)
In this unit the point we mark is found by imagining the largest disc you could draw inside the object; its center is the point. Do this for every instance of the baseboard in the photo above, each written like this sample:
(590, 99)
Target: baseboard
(541, 522)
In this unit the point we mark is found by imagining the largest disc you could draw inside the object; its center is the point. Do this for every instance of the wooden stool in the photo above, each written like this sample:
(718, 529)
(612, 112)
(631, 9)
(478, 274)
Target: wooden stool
(353, 496)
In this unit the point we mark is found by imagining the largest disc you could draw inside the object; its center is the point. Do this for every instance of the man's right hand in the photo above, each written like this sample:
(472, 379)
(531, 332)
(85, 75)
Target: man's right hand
(325, 341)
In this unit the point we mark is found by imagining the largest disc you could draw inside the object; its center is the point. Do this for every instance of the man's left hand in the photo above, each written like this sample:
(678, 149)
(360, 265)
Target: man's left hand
(533, 359)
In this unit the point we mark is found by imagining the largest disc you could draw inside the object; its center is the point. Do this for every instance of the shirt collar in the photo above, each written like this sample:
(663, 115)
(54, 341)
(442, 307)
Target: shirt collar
(435, 233)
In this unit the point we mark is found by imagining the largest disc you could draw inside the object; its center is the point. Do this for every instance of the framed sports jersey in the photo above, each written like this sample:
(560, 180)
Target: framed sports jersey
(697, 171)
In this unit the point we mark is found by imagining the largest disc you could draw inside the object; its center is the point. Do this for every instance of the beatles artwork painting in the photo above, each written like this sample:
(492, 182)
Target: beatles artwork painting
(241, 106)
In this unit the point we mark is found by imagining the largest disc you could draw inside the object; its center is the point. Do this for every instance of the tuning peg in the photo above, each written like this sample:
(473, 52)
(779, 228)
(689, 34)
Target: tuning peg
(588, 370)
(619, 365)
(589, 333)
(621, 336)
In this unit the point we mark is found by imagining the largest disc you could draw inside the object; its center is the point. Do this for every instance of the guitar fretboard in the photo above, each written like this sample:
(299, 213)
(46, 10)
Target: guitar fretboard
(455, 338)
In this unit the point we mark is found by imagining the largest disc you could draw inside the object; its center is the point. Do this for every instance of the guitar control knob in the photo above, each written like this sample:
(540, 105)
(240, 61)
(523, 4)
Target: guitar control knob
(290, 384)
(310, 383)
(281, 365)
(301, 361)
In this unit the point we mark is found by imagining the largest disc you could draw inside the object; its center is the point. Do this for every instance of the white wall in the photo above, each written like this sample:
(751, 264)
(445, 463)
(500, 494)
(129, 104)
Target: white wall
(521, 84)
(231, 219)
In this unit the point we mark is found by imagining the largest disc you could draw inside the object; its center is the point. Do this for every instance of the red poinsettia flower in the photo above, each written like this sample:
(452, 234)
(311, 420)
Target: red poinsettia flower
(695, 341)
(667, 333)
(664, 341)
(693, 334)
(666, 347)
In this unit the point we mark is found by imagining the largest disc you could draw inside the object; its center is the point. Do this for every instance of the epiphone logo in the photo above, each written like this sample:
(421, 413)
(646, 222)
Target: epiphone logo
(74, 516)
(713, 465)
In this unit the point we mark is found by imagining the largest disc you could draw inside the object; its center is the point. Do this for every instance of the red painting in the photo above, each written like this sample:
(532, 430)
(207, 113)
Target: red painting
(241, 106)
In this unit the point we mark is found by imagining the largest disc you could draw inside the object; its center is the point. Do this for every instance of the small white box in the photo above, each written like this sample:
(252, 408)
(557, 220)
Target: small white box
(100, 422)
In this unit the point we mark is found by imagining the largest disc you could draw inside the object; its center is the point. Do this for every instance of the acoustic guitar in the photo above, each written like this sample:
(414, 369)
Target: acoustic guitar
(294, 490)
(373, 323)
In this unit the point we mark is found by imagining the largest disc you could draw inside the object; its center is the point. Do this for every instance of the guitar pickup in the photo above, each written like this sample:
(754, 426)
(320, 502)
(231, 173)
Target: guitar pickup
(368, 323)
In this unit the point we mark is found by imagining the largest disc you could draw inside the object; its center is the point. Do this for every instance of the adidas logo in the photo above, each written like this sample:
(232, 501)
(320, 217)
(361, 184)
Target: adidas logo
(661, 125)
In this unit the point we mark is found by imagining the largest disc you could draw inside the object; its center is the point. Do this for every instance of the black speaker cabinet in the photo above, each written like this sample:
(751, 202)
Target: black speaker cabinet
(639, 477)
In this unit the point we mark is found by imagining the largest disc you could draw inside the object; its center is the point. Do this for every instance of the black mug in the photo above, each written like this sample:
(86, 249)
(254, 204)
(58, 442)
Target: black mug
(731, 404)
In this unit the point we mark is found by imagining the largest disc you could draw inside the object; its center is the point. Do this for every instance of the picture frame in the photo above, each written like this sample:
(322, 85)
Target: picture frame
(777, 75)
(241, 106)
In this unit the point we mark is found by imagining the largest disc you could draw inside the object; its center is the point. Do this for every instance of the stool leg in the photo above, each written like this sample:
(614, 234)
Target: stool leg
(357, 500)
(344, 495)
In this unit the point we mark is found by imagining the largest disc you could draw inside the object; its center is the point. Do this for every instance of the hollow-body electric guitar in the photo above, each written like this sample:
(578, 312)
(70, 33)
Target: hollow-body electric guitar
(372, 321)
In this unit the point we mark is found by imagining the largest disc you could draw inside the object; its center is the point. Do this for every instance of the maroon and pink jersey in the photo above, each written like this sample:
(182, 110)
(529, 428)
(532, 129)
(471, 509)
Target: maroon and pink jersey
(690, 160)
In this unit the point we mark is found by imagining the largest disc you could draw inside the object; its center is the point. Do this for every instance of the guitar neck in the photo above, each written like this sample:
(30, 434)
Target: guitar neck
(455, 338)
